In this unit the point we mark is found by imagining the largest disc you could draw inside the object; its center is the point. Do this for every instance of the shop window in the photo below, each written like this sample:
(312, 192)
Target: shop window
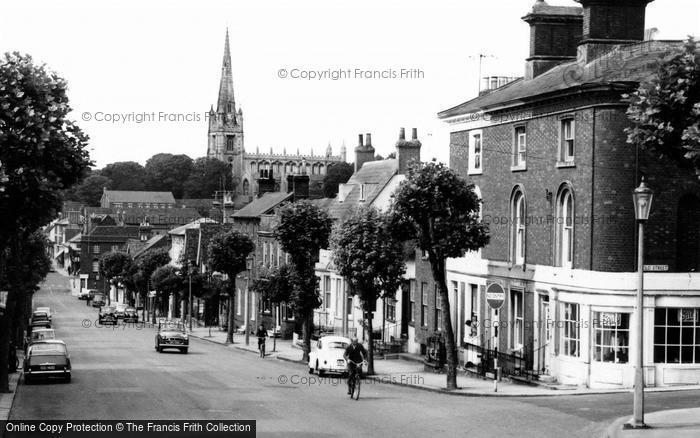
(611, 337)
(676, 335)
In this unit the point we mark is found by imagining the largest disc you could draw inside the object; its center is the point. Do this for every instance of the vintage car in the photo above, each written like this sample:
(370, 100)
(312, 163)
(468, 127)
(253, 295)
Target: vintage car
(119, 310)
(107, 315)
(45, 309)
(328, 355)
(37, 335)
(172, 334)
(131, 315)
(85, 294)
(47, 359)
(40, 319)
(98, 299)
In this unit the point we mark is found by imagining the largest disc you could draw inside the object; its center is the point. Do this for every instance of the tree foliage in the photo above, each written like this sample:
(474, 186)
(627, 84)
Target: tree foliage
(275, 285)
(227, 253)
(207, 176)
(337, 174)
(116, 266)
(303, 230)
(89, 191)
(440, 210)
(125, 175)
(665, 110)
(165, 280)
(367, 255)
(168, 172)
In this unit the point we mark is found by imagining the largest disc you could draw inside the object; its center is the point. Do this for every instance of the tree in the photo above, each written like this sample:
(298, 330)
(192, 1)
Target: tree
(303, 231)
(43, 153)
(168, 172)
(207, 176)
(275, 285)
(125, 175)
(369, 257)
(145, 265)
(115, 266)
(89, 191)
(439, 209)
(228, 252)
(337, 174)
(665, 109)
(166, 281)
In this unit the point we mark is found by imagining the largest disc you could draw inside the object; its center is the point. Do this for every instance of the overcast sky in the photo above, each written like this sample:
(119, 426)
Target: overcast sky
(165, 57)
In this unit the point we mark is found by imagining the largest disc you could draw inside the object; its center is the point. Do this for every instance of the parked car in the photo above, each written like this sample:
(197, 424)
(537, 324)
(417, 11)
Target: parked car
(107, 315)
(47, 359)
(40, 319)
(38, 334)
(328, 355)
(131, 315)
(119, 310)
(172, 334)
(45, 309)
(98, 299)
(85, 294)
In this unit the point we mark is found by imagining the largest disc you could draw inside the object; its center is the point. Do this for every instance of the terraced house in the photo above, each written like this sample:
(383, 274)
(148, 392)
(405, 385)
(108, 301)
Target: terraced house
(550, 159)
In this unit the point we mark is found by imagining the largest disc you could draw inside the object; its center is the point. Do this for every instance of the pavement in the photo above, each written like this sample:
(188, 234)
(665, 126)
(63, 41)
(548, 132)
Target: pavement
(677, 423)
(117, 374)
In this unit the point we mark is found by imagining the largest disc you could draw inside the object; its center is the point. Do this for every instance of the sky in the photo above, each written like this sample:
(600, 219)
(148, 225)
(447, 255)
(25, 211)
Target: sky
(143, 74)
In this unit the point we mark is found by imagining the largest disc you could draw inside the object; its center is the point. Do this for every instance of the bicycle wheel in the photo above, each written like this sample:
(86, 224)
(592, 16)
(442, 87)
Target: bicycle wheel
(351, 385)
(356, 384)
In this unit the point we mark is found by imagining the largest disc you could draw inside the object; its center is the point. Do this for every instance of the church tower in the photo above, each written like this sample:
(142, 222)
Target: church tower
(225, 139)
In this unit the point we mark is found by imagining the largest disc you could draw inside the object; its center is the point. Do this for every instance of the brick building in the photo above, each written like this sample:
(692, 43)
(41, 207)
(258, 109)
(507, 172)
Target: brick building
(549, 157)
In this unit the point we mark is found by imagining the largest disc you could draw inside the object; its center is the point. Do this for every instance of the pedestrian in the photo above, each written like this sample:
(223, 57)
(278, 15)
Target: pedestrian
(261, 334)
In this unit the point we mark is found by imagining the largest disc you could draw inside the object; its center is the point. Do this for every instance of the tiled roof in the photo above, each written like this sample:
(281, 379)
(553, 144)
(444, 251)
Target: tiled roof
(623, 67)
(159, 216)
(139, 196)
(374, 175)
(137, 248)
(194, 224)
(262, 205)
(115, 231)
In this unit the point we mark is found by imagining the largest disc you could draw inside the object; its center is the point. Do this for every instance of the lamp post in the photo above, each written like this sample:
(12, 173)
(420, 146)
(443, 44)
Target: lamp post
(642, 197)
(189, 299)
(249, 267)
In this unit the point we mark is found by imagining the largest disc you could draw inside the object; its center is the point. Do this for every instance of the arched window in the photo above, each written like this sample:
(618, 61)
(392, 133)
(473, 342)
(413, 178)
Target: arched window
(246, 187)
(518, 227)
(565, 228)
(688, 234)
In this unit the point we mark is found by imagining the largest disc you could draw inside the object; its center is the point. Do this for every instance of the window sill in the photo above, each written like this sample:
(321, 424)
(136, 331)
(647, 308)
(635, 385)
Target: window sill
(475, 172)
(565, 164)
(518, 168)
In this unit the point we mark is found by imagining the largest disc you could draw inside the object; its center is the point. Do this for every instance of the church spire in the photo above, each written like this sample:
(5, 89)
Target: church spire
(226, 102)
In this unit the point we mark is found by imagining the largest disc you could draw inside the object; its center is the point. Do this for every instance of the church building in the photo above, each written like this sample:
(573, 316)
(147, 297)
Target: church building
(226, 143)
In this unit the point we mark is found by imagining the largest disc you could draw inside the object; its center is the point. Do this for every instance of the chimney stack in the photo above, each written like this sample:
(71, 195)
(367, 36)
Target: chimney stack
(555, 32)
(607, 23)
(299, 185)
(407, 151)
(363, 152)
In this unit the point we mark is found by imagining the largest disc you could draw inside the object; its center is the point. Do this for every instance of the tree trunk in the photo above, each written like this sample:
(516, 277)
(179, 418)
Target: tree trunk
(307, 328)
(5, 334)
(370, 345)
(231, 322)
(438, 267)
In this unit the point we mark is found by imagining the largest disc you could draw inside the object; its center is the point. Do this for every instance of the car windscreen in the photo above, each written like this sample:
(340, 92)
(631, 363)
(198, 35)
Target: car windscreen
(57, 359)
(47, 349)
(44, 334)
(98, 297)
(341, 345)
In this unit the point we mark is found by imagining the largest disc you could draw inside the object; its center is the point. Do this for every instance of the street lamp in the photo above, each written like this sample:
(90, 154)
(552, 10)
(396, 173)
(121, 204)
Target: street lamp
(249, 268)
(642, 197)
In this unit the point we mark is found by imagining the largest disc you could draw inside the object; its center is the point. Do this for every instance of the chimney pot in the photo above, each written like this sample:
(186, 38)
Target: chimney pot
(361, 142)
(402, 134)
(369, 139)
(414, 134)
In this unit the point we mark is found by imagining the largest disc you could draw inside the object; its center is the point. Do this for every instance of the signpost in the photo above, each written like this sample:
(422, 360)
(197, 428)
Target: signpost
(495, 297)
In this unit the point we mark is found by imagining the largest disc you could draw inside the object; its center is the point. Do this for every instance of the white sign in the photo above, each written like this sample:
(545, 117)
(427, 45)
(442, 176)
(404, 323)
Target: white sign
(656, 268)
(3, 297)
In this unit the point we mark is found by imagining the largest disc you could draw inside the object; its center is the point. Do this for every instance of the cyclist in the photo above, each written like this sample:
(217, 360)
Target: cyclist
(261, 334)
(355, 355)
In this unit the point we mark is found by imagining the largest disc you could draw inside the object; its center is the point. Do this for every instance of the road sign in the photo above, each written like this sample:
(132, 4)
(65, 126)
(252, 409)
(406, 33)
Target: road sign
(495, 295)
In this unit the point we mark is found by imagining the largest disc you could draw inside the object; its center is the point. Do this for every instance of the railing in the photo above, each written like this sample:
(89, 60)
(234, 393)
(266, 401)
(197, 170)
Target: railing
(511, 364)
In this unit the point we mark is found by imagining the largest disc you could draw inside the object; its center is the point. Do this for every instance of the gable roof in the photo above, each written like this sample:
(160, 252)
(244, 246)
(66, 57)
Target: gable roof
(115, 231)
(374, 175)
(622, 68)
(137, 247)
(262, 205)
(139, 196)
(180, 231)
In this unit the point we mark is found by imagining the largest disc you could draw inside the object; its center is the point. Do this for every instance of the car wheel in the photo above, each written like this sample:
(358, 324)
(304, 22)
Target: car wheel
(159, 349)
(184, 350)
(27, 380)
(68, 378)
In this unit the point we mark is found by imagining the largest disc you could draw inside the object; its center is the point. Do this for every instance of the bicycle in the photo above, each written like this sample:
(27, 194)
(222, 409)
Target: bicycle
(261, 347)
(354, 379)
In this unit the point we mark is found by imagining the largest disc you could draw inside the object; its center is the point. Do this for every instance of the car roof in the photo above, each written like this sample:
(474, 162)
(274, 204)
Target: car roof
(39, 311)
(335, 339)
(44, 329)
(51, 341)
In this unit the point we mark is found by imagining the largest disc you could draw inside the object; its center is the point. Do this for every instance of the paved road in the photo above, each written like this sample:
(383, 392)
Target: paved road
(118, 375)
